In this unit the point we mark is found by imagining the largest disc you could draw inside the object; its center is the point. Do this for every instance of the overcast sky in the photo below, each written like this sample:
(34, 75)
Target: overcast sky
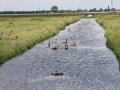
(24, 5)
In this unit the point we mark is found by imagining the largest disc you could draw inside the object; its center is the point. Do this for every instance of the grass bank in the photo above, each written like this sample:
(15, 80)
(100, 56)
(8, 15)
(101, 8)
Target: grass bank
(21, 32)
(110, 22)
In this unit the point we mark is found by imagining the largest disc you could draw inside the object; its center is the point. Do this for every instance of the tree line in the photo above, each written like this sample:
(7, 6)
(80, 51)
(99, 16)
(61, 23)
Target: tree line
(54, 9)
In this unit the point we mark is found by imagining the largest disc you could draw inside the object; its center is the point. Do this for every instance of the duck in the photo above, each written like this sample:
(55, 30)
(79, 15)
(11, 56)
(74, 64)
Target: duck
(69, 30)
(10, 32)
(74, 44)
(65, 42)
(55, 48)
(7, 39)
(49, 44)
(66, 47)
(78, 30)
(38, 27)
(53, 42)
(17, 37)
(72, 37)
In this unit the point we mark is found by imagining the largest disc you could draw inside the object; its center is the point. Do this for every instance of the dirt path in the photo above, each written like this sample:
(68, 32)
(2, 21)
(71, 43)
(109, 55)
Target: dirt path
(87, 66)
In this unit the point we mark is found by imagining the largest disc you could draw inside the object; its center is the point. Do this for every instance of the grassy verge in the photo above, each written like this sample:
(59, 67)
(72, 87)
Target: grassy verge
(21, 32)
(110, 22)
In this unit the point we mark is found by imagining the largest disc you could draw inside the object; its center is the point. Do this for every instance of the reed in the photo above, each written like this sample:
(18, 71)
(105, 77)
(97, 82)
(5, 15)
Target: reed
(29, 29)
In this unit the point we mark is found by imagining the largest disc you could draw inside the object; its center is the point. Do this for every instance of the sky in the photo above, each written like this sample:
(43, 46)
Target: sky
(33, 5)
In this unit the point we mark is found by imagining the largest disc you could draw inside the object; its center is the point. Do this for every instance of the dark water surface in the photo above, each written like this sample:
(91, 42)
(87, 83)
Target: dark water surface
(88, 66)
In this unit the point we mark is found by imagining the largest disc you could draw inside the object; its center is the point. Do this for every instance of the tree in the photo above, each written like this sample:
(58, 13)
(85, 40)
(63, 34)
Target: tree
(94, 10)
(54, 9)
(85, 10)
(79, 10)
(100, 9)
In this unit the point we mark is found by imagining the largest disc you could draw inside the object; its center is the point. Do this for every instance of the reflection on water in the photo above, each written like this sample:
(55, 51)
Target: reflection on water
(87, 64)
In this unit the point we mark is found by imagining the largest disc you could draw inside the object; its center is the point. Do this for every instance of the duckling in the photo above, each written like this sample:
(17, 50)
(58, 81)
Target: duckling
(1, 35)
(62, 48)
(74, 44)
(57, 74)
(61, 74)
(55, 39)
(55, 48)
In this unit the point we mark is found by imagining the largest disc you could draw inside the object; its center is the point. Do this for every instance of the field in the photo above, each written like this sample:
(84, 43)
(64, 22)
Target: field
(110, 22)
(21, 32)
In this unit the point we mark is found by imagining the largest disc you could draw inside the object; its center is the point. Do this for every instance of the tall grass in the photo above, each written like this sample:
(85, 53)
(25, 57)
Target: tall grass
(30, 31)
(111, 24)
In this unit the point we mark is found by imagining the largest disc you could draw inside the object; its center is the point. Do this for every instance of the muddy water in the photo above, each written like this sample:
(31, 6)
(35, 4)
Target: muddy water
(89, 65)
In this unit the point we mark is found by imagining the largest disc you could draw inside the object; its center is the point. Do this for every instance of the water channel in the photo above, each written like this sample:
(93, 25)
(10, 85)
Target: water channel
(87, 64)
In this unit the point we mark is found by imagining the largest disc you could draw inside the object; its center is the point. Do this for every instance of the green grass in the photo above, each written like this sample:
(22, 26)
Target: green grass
(30, 31)
(111, 24)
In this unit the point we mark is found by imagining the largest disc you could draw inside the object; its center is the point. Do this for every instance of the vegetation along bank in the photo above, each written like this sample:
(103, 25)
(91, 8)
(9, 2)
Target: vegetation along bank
(19, 33)
(110, 22)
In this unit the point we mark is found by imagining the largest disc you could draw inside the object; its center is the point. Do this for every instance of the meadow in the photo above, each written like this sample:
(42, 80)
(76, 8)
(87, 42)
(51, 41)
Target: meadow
(19, 33)
(110, 22)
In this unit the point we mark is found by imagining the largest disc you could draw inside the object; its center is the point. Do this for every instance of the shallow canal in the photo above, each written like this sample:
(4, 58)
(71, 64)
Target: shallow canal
(87, 64)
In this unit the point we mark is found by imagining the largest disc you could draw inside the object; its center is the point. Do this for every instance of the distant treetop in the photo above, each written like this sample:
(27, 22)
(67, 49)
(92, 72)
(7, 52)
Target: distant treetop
(54, 9)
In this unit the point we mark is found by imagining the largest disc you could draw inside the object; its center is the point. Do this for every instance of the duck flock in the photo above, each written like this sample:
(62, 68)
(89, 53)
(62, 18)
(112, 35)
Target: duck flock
(65, 42)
